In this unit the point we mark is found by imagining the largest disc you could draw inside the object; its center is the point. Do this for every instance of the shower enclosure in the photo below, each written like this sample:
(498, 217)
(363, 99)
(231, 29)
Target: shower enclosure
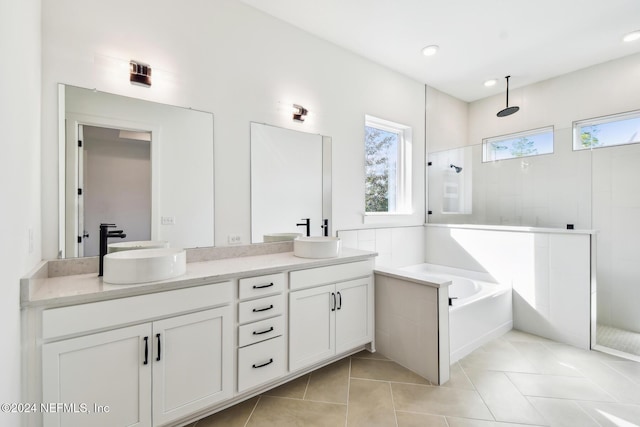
(570, 186)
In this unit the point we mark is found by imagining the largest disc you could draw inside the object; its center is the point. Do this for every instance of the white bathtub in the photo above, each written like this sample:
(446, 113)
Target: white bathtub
(480, 310)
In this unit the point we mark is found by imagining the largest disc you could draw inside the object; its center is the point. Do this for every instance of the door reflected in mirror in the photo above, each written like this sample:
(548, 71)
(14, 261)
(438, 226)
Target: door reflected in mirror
(145, 166)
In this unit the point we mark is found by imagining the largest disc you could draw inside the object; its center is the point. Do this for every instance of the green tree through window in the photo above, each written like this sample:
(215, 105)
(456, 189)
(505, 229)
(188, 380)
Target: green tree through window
(381, 153)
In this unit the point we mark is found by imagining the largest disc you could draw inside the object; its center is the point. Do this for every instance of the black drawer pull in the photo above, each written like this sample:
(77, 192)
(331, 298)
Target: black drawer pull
(159, 349)
(146, 350)
(264, 364)
(339, 300)
(263, 332)
(263, 286)
(256, 310)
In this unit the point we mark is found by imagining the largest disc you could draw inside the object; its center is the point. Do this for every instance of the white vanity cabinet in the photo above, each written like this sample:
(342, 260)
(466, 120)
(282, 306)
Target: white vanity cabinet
(261, 331)
(330, 312)
(148, 374)
(169, 353)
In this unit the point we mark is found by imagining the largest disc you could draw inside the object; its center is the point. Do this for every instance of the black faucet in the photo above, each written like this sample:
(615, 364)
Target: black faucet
(105, 233)
(325, 227)
(307, 224)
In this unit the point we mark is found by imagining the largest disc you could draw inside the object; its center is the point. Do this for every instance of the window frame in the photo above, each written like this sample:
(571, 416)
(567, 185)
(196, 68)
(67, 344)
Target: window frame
(578, 124)
(403, 176)
(536, 131)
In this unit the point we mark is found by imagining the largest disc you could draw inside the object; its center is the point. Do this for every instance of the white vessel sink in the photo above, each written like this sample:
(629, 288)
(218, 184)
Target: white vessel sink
(280, 237)
(140, 244)
(316, 247)
(144, 265)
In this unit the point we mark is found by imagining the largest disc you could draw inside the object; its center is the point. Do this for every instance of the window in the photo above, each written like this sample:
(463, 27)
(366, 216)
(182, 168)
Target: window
(387, 167)
(618, 129)
(522, 144)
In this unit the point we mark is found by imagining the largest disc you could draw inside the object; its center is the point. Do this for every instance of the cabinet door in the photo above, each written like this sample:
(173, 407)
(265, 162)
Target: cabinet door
(191, 363)
(354, 314)
(106, 370)
(311, 326)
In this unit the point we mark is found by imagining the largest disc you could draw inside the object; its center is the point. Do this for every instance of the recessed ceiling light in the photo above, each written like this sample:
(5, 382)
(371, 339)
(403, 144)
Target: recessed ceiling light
(491, 82)
(430, 50)
(633, 36)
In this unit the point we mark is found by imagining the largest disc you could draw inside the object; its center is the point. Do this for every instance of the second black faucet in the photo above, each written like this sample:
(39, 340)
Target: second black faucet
(307, 224)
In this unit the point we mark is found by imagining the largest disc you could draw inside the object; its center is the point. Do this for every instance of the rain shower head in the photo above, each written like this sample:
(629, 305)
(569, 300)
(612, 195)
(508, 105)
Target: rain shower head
(508, 110)
(457, 168)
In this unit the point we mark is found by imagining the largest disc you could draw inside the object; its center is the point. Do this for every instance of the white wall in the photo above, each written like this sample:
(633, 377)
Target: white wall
(19, 178)
(238, 63)
(396, 247)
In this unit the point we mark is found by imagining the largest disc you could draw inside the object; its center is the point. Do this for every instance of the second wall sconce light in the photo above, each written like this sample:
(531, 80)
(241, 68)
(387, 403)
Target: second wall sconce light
(139, 73)
(299, 113)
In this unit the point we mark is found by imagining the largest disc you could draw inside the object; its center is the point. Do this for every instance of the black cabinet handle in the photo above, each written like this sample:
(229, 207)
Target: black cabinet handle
(257, 310)
(146, 350)
(263, 286)
(339, 300)
(334, 301)
(159, 349)
(264, 364)
(263, 332)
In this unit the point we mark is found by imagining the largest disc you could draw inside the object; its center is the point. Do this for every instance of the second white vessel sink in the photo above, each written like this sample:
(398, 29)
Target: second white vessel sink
(280, 237)
(135, 245)
(316, 247)
(144, 265)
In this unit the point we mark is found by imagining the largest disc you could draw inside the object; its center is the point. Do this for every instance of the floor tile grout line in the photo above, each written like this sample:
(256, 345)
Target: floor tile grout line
(466, 376)
(526, 398)
(305, 400)
(306, 387)
(252, 411)
(621, 373)
(395, 382)
(393, 403)
(346, 418)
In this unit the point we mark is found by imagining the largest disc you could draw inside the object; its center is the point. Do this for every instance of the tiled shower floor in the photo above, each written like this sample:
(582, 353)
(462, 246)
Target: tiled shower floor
(618, 339)
(516, 380)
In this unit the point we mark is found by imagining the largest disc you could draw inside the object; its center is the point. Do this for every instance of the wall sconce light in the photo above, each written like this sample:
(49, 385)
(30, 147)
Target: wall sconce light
(299, 113)
(139, 73)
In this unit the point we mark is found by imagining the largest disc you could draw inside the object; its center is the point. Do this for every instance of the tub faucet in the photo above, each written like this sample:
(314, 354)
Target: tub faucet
(307, 224)
(105, 233)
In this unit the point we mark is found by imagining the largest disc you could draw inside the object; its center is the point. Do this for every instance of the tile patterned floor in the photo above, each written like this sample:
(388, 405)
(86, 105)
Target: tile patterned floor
(618, 339)
(514, 381)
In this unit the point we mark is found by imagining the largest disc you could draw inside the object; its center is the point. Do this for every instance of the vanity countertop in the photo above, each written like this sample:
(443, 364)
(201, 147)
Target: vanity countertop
(83, 288)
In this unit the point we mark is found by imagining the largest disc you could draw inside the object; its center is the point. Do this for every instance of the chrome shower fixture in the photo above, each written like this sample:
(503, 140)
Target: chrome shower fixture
(457, 168)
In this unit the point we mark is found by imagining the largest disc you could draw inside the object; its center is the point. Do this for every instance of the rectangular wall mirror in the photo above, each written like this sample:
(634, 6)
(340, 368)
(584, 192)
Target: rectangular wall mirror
(145, 166)
(290, 182)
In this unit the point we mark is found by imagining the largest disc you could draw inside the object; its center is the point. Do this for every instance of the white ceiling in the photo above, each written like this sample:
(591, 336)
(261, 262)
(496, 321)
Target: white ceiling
(531, 40)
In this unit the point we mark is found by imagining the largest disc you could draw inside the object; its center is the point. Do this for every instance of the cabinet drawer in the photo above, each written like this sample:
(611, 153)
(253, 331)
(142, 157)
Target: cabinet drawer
(260, 363)
(262, 285)
(330, 274)
(252, 333)
(258, 309)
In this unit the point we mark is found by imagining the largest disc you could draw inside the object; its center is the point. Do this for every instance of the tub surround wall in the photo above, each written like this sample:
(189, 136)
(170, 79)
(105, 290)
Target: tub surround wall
(396, 247)
(550, 271)
(412, 323)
